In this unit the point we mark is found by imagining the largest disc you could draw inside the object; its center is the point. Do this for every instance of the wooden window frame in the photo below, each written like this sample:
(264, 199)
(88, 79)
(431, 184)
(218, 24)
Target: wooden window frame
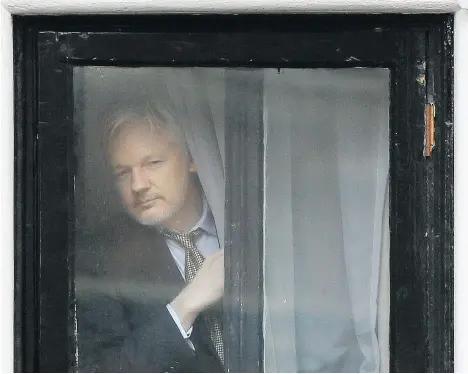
(417, 49)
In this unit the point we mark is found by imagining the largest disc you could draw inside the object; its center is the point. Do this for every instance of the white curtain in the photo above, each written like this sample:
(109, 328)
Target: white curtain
(326, 173)
(199, 97)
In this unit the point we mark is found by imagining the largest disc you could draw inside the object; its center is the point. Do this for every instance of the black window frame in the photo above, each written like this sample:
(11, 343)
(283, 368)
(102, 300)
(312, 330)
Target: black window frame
(417, 48)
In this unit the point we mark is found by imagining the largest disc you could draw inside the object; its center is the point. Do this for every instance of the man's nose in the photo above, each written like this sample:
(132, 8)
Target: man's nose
(140, 181)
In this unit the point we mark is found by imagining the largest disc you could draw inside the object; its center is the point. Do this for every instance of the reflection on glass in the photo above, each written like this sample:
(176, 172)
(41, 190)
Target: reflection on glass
(150, 207)
(150, 198)
(326, 170)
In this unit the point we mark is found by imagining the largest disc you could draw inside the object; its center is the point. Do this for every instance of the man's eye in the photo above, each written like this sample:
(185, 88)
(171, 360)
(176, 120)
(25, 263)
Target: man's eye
(154, 162)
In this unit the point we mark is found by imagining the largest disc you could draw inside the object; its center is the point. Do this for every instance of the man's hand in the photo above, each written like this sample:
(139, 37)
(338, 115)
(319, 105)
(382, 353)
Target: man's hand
(203, 291)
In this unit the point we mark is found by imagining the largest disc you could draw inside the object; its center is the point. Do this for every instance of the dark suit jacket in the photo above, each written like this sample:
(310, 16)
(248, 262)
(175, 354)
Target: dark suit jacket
(124, 279)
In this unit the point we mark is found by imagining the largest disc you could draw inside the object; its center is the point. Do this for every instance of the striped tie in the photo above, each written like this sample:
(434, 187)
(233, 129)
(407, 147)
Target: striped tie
(193, 261)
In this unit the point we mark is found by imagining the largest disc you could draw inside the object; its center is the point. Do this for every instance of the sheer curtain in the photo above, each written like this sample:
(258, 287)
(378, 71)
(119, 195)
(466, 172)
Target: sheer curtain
(326, 171)
(199, 97)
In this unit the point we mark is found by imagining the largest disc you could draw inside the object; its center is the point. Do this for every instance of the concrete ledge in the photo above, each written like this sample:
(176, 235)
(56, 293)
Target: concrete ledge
(34, 7)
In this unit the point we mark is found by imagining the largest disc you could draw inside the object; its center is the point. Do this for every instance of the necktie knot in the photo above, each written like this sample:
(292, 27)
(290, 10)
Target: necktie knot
(193, 257)
(185, 239)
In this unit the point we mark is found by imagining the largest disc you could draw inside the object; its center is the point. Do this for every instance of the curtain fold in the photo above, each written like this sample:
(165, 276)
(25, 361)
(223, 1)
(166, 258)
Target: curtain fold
(188, 90)
(326, 174)
(279, 324)
(363, 169)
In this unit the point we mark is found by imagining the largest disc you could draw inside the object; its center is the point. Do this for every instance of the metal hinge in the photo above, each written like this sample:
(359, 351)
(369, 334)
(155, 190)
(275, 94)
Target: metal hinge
(429, 122)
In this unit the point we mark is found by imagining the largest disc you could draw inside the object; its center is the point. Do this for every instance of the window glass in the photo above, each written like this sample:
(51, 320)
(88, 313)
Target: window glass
(326, 220)
(150, 151)
(149, 219)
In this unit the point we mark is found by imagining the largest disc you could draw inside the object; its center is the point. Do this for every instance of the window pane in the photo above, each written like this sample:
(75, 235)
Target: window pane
(149, 203)
(326, 220)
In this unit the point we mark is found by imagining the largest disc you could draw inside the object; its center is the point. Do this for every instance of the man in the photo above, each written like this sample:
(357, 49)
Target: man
(148, 290)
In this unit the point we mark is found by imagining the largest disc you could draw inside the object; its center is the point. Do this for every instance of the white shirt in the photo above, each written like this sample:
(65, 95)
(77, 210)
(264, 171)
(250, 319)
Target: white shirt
(207, 243)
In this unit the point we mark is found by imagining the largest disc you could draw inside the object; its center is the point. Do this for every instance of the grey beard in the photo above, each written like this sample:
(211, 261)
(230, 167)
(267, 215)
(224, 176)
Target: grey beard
(156, 220)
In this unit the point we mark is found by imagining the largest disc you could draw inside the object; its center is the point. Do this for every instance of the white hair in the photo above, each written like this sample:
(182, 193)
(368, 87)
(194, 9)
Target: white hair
(152, 113)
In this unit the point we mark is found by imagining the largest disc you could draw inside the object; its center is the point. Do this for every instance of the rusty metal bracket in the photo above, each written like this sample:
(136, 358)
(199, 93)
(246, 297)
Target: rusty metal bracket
(429, 122)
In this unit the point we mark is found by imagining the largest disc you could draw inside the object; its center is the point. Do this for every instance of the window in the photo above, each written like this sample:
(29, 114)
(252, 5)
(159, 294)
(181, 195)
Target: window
(312, 113)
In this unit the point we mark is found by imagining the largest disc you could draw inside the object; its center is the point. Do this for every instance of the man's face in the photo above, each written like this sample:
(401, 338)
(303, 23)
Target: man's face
(152, 173)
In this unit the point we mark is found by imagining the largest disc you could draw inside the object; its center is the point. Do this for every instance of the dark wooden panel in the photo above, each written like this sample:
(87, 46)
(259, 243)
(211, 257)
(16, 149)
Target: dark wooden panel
(422, 207)
(440, 292)
(244, 222)
(55, 173)
(222, 49)
(26, 245)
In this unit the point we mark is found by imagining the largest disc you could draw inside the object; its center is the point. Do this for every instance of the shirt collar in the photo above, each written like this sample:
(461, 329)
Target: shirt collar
(206, 221)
